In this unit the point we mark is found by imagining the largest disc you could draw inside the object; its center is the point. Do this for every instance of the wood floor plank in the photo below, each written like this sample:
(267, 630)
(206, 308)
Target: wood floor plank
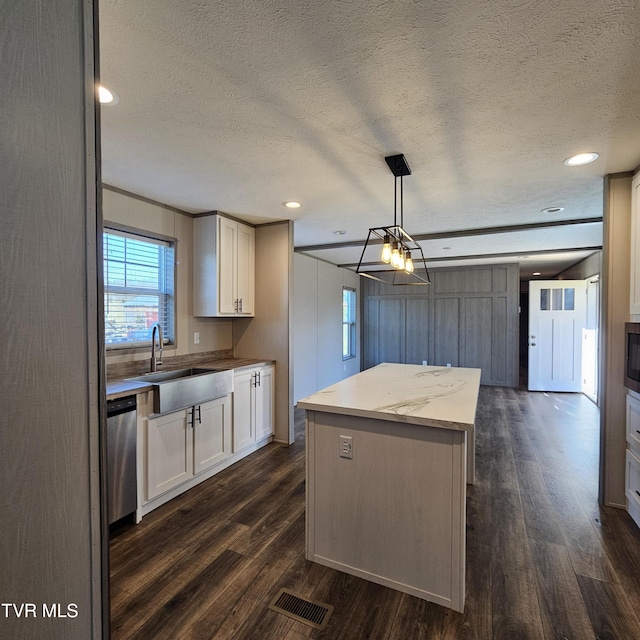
(419, 620)
(587, 554)
(252, 605)
(151, 588)
(541, 519)
(610, 612)
(373, 612)
(515, 610)
(563, 611)
(194, 596)
(621, 542)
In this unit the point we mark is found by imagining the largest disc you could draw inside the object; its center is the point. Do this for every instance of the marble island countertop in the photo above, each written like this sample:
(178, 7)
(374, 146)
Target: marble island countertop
(424, 395)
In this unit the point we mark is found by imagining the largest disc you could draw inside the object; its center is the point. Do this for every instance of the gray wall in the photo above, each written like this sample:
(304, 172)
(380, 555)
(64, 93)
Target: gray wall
(268, 335)
(590, 266)
(317, 325)
(49, 424)
(615, 287)
(467, 317)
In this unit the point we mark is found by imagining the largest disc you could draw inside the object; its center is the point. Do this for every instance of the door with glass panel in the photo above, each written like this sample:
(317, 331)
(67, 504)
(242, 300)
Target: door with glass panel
(557, 315)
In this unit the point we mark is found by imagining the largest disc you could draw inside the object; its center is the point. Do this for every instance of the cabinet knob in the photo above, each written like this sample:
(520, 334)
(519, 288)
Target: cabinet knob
(532, 344)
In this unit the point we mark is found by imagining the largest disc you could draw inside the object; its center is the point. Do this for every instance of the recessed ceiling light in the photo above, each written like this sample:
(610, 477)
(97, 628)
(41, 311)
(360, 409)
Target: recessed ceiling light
(107, 96)
(340, 232)
(552, 210)
(536, 273)
(292, 204)
(581, 158)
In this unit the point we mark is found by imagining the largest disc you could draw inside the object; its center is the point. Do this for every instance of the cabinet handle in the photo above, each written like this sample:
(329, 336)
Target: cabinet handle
(259, 373)
(235, 305)
(190, 419)
(638, 492)
(637, 431)
(240, 305)
(199, 415)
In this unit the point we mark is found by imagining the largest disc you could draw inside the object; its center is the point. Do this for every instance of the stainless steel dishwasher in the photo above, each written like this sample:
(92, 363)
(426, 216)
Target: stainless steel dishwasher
(121, 457)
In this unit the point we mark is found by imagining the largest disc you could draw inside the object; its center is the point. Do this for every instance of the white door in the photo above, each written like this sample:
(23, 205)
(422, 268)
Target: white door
(557, 315)
(227, 263)
(245, 291)
(211, 433)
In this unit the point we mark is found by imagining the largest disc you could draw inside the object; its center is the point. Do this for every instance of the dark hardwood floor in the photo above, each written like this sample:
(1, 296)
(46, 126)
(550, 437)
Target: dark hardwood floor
(544, 561)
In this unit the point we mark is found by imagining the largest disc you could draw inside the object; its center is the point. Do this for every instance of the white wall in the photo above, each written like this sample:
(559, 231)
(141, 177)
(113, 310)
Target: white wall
(317, 325)
(215, 333)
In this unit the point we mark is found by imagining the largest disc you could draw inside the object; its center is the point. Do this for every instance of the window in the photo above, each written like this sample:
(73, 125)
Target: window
(557, 299)
(348, 323)
(138, 288)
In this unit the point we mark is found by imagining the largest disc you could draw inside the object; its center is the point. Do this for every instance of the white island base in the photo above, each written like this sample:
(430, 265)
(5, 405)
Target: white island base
(394, 513)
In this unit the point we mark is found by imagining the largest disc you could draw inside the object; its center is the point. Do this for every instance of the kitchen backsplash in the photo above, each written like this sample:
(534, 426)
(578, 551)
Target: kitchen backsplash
(124, 369)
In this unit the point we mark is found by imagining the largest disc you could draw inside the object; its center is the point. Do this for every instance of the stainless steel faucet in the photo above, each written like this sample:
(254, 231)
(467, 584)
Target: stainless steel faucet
(156, 361)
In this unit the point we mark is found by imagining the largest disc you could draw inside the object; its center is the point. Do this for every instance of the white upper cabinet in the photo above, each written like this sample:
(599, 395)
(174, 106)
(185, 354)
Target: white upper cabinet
(223, 267)
(634, 297)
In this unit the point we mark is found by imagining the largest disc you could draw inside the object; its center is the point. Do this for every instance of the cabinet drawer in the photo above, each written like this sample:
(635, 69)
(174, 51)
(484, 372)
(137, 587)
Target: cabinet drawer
(633, 480)
(633, 424)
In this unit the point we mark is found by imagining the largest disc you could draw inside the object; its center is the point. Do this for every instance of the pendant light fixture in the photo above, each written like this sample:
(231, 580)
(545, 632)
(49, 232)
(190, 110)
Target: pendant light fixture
(390, 254)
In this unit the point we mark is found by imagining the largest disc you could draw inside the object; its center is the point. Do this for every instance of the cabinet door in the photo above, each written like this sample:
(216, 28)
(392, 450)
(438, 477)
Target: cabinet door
(245, 291)
(211, 433)
(264, 403)
(243, 426)
(227, 264)
(168, 455)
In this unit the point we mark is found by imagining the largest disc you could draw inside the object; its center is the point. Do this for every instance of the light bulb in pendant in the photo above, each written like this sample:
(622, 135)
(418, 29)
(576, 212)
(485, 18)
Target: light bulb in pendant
(386, 250)
(395, 255)
(401, 260)
(408, 263)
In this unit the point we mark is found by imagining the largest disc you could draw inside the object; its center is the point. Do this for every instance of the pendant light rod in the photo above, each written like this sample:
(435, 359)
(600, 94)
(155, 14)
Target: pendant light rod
(401, 203)
(395, 202)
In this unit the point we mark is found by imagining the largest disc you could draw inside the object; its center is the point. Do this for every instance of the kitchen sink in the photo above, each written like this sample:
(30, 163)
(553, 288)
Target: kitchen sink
(181, 388)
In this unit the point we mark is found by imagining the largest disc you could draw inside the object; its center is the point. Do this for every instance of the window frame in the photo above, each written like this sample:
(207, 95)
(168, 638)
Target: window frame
(170, 332)
(351, 323)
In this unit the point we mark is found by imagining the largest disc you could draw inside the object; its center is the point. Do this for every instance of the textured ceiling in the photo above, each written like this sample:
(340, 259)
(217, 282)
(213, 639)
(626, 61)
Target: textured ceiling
(241, 105)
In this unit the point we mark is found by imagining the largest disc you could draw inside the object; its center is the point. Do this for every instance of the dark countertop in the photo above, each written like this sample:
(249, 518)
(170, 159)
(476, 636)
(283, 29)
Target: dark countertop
(120, 387)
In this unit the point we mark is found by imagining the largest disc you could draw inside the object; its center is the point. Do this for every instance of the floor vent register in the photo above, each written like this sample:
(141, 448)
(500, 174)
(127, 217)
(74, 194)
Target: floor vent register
(315, 614)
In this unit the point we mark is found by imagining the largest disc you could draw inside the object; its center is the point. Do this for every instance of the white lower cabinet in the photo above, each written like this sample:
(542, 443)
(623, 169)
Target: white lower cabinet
(253, 406)
(179, 450)
(632, 475)
(183, 444)
(633, 487)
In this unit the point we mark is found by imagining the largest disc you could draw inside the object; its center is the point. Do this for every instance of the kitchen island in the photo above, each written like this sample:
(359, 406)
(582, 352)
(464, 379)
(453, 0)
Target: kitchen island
(386, 477)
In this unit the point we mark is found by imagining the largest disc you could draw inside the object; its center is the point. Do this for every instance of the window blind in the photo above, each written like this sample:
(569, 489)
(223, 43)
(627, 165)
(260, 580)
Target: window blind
(138, 288)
